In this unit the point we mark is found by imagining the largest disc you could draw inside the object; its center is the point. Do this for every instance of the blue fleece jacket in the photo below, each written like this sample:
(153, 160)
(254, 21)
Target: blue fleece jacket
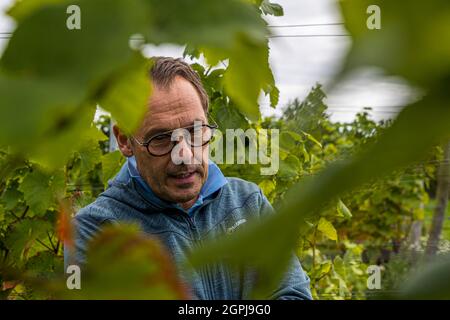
(224, 205)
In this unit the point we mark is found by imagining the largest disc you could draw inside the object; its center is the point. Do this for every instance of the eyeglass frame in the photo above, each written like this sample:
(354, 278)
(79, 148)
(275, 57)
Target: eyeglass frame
(146, 144)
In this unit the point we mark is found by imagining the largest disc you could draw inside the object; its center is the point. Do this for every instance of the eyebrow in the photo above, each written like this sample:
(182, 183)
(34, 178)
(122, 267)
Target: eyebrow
(156, 131)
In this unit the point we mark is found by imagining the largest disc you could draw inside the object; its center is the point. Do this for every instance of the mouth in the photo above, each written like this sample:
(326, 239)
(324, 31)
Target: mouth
(184, 177)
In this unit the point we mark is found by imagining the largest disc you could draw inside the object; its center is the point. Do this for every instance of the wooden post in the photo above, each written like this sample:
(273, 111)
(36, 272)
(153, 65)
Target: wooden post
(442, 193)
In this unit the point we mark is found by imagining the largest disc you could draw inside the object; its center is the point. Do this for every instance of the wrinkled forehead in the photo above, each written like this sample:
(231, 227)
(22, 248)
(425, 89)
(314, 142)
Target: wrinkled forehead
(170, 108)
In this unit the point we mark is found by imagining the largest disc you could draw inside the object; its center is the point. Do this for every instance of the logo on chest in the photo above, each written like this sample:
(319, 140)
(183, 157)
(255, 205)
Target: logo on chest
(235, 225)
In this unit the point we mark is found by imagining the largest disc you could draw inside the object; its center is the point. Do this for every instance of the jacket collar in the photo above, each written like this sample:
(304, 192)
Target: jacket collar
(130, 175)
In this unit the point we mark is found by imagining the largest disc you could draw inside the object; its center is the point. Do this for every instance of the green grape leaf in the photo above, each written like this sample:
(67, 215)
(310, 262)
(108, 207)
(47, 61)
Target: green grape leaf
(248, 72)
(290, 167)
(312, 139)
(42, 190)
(71, 64)
(150, 272)
(127, 94)
(90, 155)
(11, 197)
(342, 210)
(270, 8)
(21, 9)
(409, 43)
(53, 152)
(227, 116)
(23, 235)
(289, 139)
(215, 26)
(111, 164)
(327, 228)
(76, 57)
(44, 265)
(36, 191)
(38, 111)
(267, 186)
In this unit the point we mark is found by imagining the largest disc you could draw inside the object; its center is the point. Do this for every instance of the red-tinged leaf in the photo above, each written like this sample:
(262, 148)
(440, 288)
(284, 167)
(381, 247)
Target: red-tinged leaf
(64, 228)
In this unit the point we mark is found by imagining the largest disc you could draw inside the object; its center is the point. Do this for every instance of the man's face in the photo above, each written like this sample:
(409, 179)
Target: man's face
(176, 107)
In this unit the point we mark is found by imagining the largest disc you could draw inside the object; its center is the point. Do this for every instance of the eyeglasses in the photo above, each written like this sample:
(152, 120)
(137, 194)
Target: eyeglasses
(196, 135)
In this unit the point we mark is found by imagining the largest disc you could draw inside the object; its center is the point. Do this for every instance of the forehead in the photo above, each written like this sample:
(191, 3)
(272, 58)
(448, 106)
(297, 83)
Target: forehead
(169, 108)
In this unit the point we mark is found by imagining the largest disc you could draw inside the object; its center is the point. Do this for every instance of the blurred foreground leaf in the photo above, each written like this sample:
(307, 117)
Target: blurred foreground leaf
(124, 263)
(431, 283)
(52, 78)
(409, 44)
(413, 41)
(399, 146)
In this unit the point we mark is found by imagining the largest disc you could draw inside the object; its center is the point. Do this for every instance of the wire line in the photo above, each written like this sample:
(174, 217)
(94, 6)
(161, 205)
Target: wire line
(306, 25)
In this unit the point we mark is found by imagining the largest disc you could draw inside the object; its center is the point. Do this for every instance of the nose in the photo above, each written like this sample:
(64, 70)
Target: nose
(185, 148)
(182, 152)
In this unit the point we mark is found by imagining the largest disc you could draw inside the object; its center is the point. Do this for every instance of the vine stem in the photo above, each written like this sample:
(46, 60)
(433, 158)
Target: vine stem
(51, 242)
(57, 247)
(46, 246)
(25, 212)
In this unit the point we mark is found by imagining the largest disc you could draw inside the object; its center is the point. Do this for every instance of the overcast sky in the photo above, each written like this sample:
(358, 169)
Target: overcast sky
(299, 62)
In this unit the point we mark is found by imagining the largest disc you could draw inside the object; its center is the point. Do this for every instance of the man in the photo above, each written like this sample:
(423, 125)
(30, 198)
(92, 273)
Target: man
(170, 188)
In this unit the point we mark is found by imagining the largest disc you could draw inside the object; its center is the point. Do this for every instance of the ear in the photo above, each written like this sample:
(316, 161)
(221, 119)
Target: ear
(123, 142)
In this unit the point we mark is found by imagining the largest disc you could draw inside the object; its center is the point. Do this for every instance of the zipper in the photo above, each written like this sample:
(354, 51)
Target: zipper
(202, 270)
(195, 235)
